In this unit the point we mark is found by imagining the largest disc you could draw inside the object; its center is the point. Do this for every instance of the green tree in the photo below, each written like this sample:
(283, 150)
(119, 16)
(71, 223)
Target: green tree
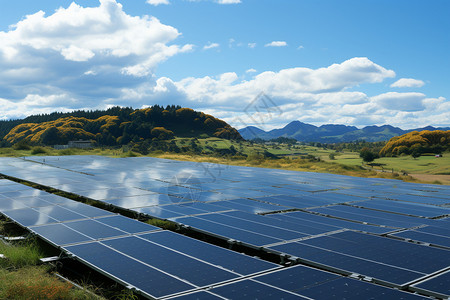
(367, 155)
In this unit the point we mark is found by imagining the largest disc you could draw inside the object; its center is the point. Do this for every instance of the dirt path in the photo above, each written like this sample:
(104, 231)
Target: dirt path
(444, 179)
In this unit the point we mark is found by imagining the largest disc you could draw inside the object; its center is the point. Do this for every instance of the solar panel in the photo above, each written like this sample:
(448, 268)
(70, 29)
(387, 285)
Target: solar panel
(229, 232)
(388, 251)
(259, 228)
(326, 223)
(318, 284)
(438, 285)
(215, 255)
(250, 289)
(382, 258)
(372, 216)
(60, 234)
(126, 224)
(305, 228)
(224, 202)
(128, 271)
(425, 237)
(29, 217)
(347, 264)
(171, 262)
(406, 208)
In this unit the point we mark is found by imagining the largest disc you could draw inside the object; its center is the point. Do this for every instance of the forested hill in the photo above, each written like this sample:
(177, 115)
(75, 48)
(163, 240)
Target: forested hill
(417, 143)
(115, 126)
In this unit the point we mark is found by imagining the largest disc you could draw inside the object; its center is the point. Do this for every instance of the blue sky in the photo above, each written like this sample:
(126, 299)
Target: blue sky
(358, 62)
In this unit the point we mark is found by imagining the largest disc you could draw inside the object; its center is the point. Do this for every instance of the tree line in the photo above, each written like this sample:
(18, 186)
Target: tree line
(116, 126)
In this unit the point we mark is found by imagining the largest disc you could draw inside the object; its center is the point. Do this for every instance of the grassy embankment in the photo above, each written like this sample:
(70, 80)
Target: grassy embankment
(21, 276)
(298, 157)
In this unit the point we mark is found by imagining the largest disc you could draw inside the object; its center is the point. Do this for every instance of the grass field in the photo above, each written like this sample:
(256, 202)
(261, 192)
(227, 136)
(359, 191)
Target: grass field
(424, 169)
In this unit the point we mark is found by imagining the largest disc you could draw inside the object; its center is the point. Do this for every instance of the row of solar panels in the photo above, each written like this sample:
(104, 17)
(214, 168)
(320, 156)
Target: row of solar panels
(118, 178)
(233, 219)
(161, 263)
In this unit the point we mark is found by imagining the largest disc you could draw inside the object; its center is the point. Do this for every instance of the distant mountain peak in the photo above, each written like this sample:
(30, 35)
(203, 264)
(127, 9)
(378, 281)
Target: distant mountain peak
(329, 133)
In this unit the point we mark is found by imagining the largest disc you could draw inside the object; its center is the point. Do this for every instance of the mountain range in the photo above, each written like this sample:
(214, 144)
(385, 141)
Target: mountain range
(329, 133)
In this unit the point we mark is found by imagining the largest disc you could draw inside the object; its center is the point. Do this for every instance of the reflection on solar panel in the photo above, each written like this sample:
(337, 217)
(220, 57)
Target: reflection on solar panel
(300, 282)
(391, 261)
(414, 209)
(372, 216)
(333, 222)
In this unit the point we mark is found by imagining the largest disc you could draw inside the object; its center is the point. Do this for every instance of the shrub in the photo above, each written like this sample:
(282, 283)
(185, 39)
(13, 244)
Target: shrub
(38, 150)
(22, 145)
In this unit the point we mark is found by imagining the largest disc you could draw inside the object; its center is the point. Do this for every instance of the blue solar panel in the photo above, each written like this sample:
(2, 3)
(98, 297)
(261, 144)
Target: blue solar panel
(250, 289)
(405, 208)
(225, 212)
(297, 278)
(326, 223)
(86, 210)
(129, 271)
(9, 204)
(318, 284)
(305, 228)
(227, 259)
(202, 295)
(126, 224)
(29, 217)
(259, 228)
(384, 250)
(347, 264)
(229, 231)
(372, 216)
(438, 285)
(346, 288)
(425, 237)
(59, 234)
(250, 206)
(442, 231)
(417, 199)
(171, 262)
(141, 201)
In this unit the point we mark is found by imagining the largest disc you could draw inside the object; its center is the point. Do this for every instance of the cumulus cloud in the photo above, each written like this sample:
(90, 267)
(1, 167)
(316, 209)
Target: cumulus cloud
(251, 45)
(276, 44)
(82, 52)
(401, 101)
(158, 2)
(211, 46)
(408, 83)
(97, 57)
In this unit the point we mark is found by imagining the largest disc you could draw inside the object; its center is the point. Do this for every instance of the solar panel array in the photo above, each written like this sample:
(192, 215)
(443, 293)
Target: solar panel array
(139, 255)
(383, 231)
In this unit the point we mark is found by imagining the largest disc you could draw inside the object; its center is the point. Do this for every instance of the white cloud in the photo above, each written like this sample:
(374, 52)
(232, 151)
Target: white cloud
(408, 83)
(400, 101)
(83, 53)
(158, 2)
(211, 46)
(74, 53)
(276, 44)
(300, 47)
(93, 58)
(228, 1)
